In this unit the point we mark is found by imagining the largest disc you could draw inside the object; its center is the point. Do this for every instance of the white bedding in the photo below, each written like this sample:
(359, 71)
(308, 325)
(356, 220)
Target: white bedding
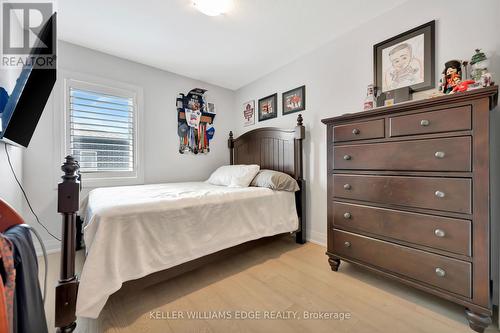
(134, 231)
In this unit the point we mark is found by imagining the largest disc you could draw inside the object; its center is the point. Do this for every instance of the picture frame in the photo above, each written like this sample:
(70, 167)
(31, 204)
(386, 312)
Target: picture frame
(268, 107)
(406, 60)
(249, 113)
(294, 100)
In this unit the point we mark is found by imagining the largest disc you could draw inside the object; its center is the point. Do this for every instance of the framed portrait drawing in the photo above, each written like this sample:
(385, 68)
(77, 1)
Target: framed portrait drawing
(294, 100)
(249, 113)
(406, 60)
(268, 107)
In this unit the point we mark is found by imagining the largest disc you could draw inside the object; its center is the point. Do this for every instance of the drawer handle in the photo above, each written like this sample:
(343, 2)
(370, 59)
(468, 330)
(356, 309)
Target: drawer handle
(439, 233)
(356, 131)
(424, 122)
(347, 244)
(347, 215)
(440, 272)
(347, 157)
(439, 194)
(439, 154)
(347, 186)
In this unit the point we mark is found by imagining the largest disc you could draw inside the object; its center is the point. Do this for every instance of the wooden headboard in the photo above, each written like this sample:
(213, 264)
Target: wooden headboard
(275, 149)
(271, 148)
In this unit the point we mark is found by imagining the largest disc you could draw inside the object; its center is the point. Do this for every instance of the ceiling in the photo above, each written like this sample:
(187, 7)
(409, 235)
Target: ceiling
(255, 38)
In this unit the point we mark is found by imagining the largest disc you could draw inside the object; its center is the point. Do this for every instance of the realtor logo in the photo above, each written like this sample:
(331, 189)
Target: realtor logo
(28, 34)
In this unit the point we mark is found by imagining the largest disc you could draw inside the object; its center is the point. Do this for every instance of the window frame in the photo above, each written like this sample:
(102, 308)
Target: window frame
(114, 88)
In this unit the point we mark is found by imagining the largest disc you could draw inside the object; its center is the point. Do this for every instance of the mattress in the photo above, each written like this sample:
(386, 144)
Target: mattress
(133, 231)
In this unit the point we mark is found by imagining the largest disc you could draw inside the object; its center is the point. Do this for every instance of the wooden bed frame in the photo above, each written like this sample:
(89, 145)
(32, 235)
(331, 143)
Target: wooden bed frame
(271, 148)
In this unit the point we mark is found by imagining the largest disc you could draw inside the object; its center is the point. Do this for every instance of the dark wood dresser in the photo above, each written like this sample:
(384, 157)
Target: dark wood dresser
(409, 195)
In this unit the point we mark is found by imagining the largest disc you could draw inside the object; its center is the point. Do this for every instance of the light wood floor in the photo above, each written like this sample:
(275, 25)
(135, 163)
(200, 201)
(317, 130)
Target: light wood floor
(280, 276)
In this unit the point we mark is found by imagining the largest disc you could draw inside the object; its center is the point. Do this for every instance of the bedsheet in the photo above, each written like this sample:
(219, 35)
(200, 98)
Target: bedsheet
(133, 231)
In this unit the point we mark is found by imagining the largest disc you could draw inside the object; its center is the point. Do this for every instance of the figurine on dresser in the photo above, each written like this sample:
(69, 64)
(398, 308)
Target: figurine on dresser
(455, 76)
(479, 65)
(451, 76)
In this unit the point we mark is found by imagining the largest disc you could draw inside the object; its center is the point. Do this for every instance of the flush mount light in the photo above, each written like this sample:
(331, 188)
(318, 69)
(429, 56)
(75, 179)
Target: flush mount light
(213, 7)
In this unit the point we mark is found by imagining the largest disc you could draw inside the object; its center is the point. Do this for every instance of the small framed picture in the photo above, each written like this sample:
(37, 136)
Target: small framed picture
(294, 100)
(249, 113)
(406, 60)
(268, 107)
(211, 108)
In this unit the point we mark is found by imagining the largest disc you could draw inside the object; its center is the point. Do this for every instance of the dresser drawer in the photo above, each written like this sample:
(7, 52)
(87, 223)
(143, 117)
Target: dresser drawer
(447, 194)
(455, 119)
(447, 234)
(372, 129)
(448, 154)
(449, 274)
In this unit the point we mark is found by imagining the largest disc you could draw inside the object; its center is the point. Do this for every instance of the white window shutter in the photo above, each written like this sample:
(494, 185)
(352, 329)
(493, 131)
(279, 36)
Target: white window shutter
(101, 130)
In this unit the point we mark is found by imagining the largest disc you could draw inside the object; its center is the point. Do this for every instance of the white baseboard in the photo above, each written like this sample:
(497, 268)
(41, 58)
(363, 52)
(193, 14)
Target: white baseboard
(317, 238)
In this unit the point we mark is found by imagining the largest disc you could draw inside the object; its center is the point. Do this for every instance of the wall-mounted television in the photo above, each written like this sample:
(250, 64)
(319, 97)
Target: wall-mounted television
(24, 91)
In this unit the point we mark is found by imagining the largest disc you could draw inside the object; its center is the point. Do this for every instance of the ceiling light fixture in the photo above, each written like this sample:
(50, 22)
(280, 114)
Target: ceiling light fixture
(213, 7)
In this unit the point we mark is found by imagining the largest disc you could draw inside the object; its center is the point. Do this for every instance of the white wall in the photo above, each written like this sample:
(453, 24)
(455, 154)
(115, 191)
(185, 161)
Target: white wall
(9, 190)
(162, 161)
(336, 76)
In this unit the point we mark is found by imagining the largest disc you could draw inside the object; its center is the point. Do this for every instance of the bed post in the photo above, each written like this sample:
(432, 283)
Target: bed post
(300, 196)
(67, 289)
(230, 145)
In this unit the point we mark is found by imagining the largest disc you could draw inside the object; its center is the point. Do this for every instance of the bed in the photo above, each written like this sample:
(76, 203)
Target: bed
(154, 232)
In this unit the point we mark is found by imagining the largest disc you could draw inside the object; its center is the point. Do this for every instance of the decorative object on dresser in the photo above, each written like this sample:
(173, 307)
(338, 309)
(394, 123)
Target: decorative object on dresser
(479, 65)
(451, 76)
(370, 99)
(408, 195)
(394, 96)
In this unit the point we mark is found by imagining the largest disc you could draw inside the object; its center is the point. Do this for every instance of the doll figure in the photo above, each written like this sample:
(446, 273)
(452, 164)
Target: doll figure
(463, 86)
(452, 76)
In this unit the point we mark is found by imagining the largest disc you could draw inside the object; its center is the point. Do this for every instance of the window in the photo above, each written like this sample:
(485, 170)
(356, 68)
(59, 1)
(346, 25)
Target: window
(101, 132)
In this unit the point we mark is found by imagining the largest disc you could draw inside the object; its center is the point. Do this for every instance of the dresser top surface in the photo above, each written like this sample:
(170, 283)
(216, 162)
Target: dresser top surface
(491, 92)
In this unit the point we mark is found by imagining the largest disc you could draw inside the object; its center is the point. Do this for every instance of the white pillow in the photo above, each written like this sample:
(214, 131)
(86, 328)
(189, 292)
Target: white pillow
(275, 180)
(234, 175)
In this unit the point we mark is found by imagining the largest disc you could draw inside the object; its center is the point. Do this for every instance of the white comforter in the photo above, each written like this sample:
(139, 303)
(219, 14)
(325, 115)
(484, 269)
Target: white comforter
(134, 231)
